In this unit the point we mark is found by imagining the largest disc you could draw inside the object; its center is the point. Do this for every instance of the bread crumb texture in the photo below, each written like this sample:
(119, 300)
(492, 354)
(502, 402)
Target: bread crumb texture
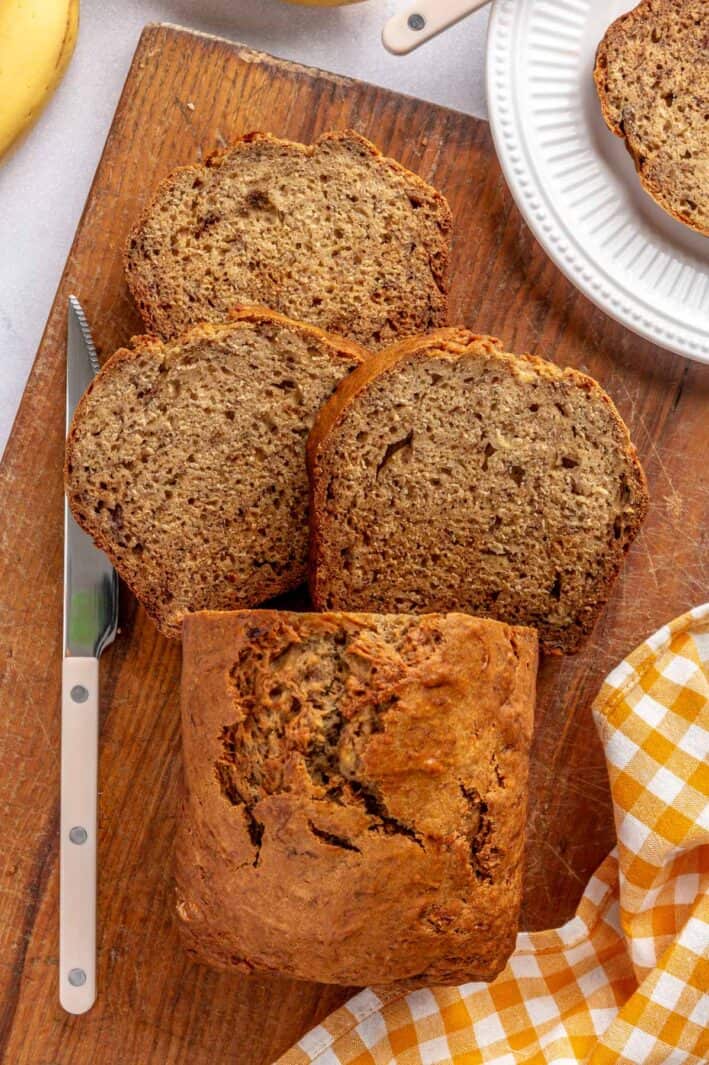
(186, 461)
(652, 76)
(333, 233)
(448, 474)
(355, 795)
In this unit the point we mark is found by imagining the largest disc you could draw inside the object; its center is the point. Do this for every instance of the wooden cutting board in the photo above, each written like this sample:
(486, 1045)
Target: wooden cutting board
(185, 95)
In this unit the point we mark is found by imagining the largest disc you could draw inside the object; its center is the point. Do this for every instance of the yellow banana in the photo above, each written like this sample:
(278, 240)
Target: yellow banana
(37, 39)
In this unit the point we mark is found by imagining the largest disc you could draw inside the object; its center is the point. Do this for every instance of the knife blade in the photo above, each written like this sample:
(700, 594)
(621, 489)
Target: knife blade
(90, 622)
(90, 582)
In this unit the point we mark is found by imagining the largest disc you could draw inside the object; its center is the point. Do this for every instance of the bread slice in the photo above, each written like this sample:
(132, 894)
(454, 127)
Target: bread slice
(356, 790)
(447, 474)
(652, 76)
(332, 233)
(186, 460)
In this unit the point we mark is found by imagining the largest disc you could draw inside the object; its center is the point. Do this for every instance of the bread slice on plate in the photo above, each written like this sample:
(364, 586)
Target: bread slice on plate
(355, 794)
(448, 474)
(186, 460)
(652, 77)
(333, 233)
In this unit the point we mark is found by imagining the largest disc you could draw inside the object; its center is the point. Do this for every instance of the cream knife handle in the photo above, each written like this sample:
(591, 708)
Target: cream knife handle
(77, 846)
(420, 21)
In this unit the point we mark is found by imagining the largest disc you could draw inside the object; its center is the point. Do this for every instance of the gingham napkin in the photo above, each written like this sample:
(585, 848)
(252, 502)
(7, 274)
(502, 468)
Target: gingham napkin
(627, 979)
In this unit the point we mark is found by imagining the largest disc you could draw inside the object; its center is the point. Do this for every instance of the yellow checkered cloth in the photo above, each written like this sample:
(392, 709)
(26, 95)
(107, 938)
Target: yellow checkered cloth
(627, 979)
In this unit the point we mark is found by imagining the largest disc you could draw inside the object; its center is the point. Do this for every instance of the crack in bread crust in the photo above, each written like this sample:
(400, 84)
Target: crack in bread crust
(366, 773)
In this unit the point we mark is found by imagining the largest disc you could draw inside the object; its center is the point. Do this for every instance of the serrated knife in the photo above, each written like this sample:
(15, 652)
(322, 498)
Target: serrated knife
(90, 621)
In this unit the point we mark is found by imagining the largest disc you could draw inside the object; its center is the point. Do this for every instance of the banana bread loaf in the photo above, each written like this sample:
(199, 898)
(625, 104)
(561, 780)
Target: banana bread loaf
(355, 794)
(332, 233)
(186, 460)
(448, 474)
(652, 77)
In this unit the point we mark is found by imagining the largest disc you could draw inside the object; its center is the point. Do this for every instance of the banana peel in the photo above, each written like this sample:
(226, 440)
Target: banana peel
(37, 39)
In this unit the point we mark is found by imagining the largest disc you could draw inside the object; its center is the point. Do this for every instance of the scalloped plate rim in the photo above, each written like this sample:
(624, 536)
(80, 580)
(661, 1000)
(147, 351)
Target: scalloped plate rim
(586, 271)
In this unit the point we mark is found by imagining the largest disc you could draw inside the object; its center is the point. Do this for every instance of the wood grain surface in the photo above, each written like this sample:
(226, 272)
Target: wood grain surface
(185, 95)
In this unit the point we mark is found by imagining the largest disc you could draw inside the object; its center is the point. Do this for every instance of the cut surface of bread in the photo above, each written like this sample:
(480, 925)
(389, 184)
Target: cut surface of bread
(355, 794)
(334, 233)
(447, 474)
(186, 460)
(652, 77)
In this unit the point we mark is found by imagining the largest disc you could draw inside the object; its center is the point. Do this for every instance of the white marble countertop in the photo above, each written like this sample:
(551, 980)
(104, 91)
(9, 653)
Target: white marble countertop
(44, 182)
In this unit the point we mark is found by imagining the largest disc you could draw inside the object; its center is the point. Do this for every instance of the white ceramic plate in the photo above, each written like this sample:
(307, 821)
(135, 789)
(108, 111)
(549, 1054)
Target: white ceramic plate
(574, 181)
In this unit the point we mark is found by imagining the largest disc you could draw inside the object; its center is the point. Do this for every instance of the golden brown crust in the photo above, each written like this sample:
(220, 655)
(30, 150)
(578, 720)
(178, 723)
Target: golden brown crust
(454, 343)
(618, 31)
(139, 345)
(452, 339)
(159, 322)
(403, 860)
